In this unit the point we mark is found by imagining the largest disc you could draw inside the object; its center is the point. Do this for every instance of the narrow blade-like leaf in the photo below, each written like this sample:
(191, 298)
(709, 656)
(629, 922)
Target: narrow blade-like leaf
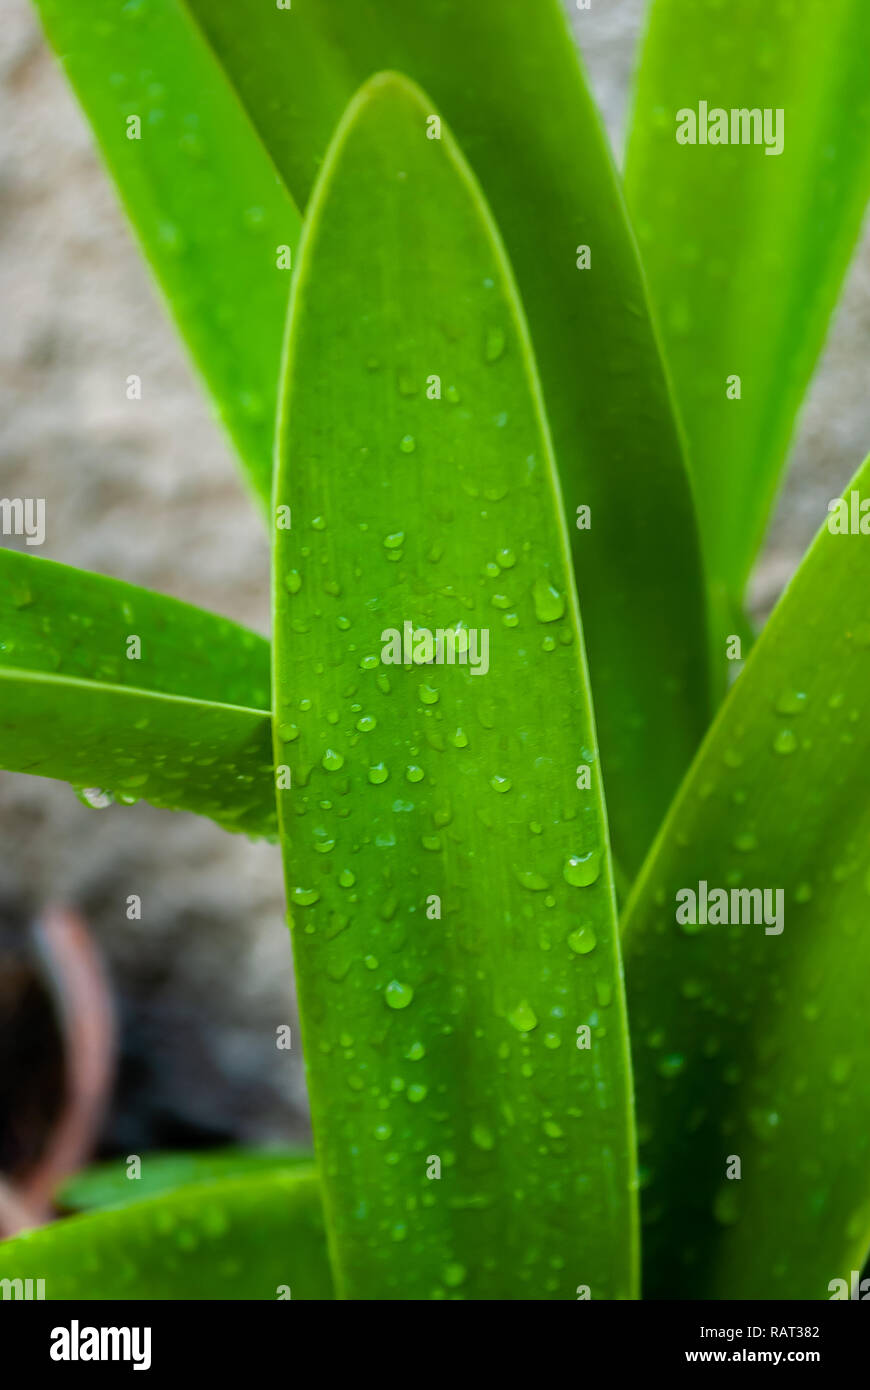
(746, 246)
(506, 76)
(71, 622)
(109, 1184)
(451, 887)
(180, 720)
(174, 752)
(751, 1040)
(200, 191)
(241, 1238)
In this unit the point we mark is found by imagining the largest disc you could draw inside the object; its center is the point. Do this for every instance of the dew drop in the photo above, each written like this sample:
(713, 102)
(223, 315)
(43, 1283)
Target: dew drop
(791, 702)
(671, 1065)
(494, 344)
(725, 1205)
(523, 1017)
(94, 797)
(304, 897)
(763, 1123)
(581, 870)
(691, 989)
(745, 842)
(214, 1222)
(527, 878)
(398, 995)
(549, 603)
(582, 939)
(171, 238)
(482, 1137)
(21, 596)
(785, 741)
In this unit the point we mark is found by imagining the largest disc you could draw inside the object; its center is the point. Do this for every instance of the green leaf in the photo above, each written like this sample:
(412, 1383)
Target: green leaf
(450, 885)
(200, 191)
(749, 1042)
(239, 1238)
(108, 1185)
(185, 726)
(507, 78)
(179, 754)
(71, 622)
(745, 251)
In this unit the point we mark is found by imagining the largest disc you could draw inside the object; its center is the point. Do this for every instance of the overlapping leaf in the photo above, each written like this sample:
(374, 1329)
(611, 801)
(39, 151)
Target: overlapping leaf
(505, 74)
(184, 724)
(450, 885)
(746, 248)
(256, 1237)
(109, 1184)
(208, 206)
(751, 1039)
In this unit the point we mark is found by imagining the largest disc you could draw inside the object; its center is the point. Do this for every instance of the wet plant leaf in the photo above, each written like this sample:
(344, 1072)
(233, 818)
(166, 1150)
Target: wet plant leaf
(117, 743)
(107, 1184)
(237, 1238)
(184, 725)
(506, 76)
(748, 1042)
(450, 886)
(200, 191)
(72, 622)
(746, 252)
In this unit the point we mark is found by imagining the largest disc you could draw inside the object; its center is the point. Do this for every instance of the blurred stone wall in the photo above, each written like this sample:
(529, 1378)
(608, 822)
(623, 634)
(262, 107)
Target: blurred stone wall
(152, 496)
